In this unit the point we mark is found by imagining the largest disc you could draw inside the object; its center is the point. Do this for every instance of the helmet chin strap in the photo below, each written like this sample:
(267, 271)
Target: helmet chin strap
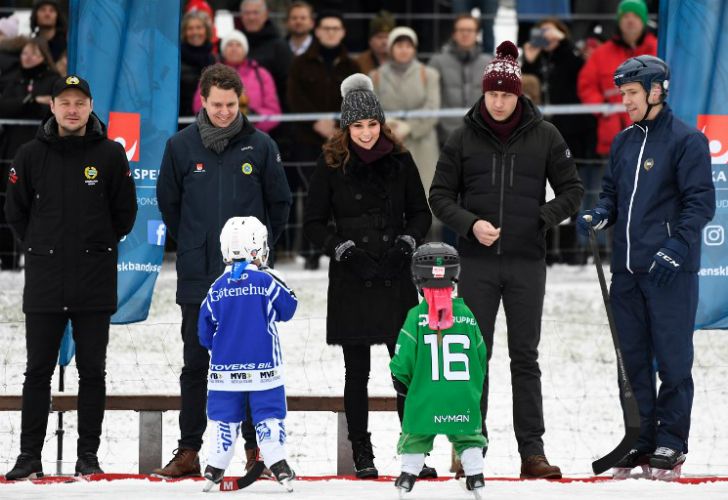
(650, 106)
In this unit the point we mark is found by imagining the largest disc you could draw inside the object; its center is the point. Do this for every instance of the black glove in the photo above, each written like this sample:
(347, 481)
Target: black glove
(396, 258)
(359, 262)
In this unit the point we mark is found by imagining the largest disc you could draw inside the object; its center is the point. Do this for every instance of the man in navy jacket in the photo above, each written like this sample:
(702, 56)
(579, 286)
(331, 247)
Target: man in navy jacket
(658, 193)
(217, 168)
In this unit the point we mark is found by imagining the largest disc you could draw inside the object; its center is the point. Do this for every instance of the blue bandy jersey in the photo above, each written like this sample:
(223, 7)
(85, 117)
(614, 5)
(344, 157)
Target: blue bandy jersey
(237, 325)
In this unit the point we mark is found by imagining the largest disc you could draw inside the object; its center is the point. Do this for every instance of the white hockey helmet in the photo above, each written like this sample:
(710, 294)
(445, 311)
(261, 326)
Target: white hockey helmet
(244, 238)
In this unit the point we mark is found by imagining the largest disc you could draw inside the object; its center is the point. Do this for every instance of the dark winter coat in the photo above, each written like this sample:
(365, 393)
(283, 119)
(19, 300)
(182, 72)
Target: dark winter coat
(192, 61)
(558, 72)
(18, 102)
(271, 50)
(479, 177)
(70, 200)
(370, 205)
(658, 185)
(314, 87)
(199, 190)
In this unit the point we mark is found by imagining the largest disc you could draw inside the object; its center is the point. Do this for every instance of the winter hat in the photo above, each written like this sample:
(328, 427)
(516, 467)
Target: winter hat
(400, 32)
(9, 26)
(234, 36)
(329, 13)
(503, 73)
(383, 22)
(637, 7)
(359, 102)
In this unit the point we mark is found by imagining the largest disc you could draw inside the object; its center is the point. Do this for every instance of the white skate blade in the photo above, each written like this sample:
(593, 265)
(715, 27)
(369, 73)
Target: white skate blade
(621, 473)
(667, 474)
(403, 493)
(208, 485)
(287, 483)
(478, 493)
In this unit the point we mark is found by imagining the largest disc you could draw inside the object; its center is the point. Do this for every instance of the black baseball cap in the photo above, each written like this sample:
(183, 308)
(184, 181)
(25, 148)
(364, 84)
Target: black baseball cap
(70, 82)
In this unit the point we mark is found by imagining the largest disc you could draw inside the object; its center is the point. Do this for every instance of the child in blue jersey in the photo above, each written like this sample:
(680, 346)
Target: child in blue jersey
(237, 325)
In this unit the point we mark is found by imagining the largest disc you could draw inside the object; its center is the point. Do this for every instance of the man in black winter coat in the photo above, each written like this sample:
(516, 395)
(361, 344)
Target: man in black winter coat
(70, 199)
(489, 187)
(218, 167)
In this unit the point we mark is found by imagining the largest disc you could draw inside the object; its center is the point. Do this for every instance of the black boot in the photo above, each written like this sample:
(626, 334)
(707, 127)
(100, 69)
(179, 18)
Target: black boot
(283, 473)
(364, 458)
(26, 467)
(214, 476)
(474, 482)
(405, 482)
(88, 463)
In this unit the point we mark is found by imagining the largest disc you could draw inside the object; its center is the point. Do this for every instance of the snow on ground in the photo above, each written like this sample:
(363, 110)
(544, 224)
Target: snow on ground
(583, 419)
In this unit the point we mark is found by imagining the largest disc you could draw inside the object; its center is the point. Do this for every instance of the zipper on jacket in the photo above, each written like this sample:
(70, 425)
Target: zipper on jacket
(513, 160)
(631, 198)
(669, 231)
(494, 160)
(502, 193)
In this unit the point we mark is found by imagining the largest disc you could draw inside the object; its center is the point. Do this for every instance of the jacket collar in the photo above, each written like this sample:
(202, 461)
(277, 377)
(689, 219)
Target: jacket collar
(314, 52)
(48, 131)
(531, 116)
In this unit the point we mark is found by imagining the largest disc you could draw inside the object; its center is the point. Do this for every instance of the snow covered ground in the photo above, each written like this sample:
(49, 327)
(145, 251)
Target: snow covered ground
(583, 419)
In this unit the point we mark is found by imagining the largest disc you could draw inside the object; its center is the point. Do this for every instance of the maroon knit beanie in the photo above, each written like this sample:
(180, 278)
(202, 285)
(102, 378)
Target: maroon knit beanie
(503, 73)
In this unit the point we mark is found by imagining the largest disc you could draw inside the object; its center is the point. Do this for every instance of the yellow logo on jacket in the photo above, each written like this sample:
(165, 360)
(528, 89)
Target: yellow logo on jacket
(649, 163)
(247, 168)
(90, 173)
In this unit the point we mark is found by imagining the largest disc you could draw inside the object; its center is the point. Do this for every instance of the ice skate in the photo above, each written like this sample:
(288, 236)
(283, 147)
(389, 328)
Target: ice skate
(213, 476)
(476, 484)
(404, 483)
(666, 464)
(283, 474)
(635, 458)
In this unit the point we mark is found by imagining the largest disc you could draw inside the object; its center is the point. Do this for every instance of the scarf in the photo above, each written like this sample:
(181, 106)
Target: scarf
(401, 68)
(504, 129)
(216, 138)
(381, 148)
(439, 302)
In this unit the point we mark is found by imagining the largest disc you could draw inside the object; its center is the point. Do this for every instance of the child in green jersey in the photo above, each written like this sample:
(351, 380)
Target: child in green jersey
(439, 365)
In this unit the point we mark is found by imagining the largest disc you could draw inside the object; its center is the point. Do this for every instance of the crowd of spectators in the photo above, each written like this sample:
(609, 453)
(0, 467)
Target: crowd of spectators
(293, 55)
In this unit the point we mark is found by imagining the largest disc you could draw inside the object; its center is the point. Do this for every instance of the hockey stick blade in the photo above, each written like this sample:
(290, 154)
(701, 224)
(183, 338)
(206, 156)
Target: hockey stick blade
(629, 402)
(243, 482)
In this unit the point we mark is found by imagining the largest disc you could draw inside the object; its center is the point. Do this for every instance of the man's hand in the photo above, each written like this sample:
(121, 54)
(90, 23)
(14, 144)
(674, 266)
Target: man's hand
(667, 261)
(596, 218)
(485, 233)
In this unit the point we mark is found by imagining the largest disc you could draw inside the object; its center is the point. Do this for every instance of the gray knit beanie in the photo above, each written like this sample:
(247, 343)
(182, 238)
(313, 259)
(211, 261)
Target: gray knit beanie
(359, 101)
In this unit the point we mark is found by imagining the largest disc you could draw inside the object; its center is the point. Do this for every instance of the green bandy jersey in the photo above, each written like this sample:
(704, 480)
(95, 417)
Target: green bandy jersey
(445, 381)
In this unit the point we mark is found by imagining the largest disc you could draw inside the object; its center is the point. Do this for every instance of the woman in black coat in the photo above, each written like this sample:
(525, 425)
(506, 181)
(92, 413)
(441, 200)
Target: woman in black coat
(367, 184)
(195, 55)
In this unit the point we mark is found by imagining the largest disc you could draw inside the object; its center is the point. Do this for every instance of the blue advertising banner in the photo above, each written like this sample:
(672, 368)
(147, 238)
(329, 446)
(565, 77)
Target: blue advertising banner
(128, 50)
(694, 42)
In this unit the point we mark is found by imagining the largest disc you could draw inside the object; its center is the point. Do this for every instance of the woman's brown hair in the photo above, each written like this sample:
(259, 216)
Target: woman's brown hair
(336, 149)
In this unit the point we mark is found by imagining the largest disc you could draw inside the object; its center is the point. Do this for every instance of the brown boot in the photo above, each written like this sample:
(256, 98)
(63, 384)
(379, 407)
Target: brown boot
(253, 455)
(537, 467)
(184, 463)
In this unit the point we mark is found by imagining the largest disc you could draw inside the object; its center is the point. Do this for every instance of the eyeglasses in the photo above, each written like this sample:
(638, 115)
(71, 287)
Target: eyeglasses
(332, 29)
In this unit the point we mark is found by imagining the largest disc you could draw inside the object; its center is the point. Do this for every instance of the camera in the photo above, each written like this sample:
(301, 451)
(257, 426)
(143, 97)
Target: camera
(538, 39)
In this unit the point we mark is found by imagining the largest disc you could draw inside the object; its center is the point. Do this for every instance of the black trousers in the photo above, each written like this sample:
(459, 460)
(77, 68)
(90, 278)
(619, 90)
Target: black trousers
(357, 364)
(521, 284)
(193, 386)
(43, 340)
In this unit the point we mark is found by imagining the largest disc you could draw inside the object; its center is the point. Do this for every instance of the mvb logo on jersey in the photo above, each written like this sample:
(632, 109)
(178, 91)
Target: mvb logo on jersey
(126, 129)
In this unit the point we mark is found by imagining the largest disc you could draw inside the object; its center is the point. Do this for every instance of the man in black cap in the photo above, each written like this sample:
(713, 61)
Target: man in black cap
(70, 199)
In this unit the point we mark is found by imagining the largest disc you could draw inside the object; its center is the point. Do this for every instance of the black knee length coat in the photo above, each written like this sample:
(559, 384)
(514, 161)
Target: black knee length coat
(370, 205)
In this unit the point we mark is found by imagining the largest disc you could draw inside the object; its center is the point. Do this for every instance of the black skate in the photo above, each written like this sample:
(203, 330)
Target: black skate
(635, 458)
(427, 472)
(364, 459)
(404, 483)
(475, 483)
(87, 464)
(26, 467)
(283, 474)
(214, 476)
(666, 463)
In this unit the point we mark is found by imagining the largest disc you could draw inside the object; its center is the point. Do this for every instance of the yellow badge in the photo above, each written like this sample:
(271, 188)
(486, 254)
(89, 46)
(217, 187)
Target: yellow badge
(90, 173)
(247, 168)
(649, 163)
(72, 80)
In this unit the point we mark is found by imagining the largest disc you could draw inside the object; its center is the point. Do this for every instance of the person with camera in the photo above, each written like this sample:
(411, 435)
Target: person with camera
(658, 194)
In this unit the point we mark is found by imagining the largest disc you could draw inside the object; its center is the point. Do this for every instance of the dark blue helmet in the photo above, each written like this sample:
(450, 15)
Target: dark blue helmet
(435, 265)
(645, 70)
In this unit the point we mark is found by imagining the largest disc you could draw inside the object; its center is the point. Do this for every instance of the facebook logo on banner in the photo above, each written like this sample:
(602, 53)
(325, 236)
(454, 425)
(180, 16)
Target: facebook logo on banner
(156, 232)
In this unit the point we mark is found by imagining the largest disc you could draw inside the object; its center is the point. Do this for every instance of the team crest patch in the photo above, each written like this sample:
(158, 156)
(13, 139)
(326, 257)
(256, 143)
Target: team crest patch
(13, 176)
(247, 168)
(72, 80)
(199, 167)
(91, 173)
(649, 163)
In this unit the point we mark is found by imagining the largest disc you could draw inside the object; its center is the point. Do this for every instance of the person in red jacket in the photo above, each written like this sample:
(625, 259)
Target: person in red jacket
(596, 86)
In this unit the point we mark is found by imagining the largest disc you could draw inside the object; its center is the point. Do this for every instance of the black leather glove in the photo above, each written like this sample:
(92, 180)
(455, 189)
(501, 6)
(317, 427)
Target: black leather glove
(357, 260)
(397, 257)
